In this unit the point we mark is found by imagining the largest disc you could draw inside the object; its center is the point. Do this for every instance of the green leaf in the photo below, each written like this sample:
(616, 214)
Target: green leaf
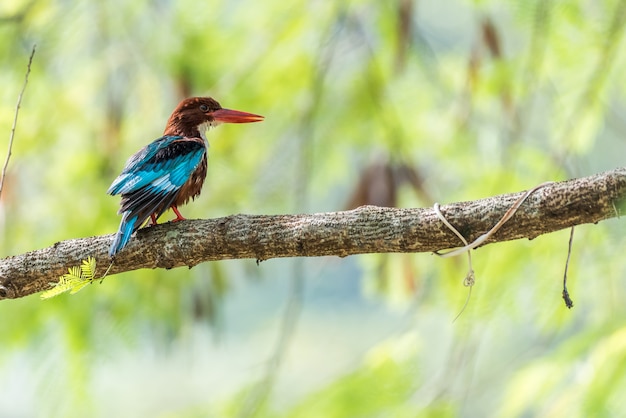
(88, 268)
(74, 280)
(78, 286)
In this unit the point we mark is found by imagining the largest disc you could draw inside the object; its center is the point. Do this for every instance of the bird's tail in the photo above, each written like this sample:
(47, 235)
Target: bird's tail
(127, 227)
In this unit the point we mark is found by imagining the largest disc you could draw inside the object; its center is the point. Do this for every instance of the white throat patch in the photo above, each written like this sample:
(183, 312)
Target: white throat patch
(204, 127)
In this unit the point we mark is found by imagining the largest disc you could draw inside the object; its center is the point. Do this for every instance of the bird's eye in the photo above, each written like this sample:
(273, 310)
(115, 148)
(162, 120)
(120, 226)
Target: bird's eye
(204, 108)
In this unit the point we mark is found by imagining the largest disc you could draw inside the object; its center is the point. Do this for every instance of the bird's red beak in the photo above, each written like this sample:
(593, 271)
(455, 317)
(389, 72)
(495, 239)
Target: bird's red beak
(235, 116)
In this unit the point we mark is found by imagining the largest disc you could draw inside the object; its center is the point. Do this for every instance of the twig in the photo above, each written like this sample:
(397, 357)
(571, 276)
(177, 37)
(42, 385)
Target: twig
(568, 301)
(17, 110)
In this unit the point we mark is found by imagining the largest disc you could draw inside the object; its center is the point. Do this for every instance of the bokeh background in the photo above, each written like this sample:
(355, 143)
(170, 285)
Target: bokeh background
(398, 103)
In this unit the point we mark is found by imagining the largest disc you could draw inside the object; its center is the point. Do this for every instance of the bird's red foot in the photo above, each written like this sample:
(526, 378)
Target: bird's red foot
(153, 219)
(179, 217)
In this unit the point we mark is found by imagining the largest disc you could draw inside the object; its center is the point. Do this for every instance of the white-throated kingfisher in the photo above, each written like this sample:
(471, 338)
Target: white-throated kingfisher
(171, 170)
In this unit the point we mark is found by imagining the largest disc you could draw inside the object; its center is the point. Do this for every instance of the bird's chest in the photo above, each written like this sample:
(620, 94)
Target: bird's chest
(193, 186)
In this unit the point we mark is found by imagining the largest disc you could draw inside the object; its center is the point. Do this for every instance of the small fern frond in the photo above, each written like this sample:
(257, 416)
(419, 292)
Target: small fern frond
(74, 280)
(73, 273)
(64, 284)
(79, 286)
(88, 268)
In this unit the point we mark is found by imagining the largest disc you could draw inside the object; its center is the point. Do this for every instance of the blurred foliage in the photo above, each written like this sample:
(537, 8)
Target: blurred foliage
(399, 103)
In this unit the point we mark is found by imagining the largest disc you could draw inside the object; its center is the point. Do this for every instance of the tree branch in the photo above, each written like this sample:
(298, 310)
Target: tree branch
(368, 229)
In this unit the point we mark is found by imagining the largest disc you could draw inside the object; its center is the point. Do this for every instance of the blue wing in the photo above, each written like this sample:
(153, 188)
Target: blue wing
(151, 180)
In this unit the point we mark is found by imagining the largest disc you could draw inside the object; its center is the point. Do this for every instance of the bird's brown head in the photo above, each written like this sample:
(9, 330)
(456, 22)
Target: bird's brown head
(193, 116)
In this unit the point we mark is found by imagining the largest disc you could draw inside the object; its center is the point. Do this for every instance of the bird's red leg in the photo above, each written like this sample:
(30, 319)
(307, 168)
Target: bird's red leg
(179, 217)
(153, 219)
